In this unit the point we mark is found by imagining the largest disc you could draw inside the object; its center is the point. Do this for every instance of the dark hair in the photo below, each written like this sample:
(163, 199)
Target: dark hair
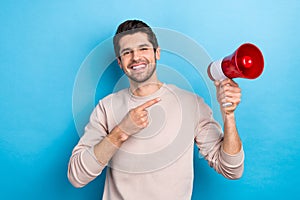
(130, 27)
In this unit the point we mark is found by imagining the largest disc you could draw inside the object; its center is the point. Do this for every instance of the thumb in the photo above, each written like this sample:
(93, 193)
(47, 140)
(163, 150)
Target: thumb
(217, 83)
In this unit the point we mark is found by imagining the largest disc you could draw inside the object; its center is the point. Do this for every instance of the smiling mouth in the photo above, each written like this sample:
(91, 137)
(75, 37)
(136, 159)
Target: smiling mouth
(138, 67)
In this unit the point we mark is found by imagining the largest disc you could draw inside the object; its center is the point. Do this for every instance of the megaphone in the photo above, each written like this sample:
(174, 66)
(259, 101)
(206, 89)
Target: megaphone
(246, 62)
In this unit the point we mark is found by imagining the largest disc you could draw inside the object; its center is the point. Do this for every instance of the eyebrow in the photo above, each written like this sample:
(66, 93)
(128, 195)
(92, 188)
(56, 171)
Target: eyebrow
(139, 46)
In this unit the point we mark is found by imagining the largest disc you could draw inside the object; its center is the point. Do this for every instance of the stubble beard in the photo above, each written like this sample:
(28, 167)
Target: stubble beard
(144, 76)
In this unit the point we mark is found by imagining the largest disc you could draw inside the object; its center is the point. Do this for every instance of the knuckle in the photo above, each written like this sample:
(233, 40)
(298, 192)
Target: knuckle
(227, 87)
(143, 125)
(132, 111)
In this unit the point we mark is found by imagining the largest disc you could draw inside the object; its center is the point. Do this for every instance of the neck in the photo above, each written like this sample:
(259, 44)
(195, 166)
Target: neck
(146, 88)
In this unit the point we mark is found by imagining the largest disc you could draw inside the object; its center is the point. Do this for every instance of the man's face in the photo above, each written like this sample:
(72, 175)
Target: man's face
(137, 57)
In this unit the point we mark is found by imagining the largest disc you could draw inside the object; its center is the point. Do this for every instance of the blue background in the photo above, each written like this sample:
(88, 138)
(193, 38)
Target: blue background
(42, 46)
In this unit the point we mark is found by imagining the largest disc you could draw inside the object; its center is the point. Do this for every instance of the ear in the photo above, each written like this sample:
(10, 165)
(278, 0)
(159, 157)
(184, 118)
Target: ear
(119, 62)
(157, 53)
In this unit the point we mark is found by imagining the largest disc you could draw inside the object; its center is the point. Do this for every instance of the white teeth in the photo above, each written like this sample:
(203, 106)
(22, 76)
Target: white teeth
(138, 67)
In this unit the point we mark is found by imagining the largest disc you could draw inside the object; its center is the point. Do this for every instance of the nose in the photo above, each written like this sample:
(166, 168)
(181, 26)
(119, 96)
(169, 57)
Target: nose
(135, 55)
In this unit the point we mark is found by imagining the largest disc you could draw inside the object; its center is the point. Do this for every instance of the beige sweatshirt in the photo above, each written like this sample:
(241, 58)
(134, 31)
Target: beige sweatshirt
(157, 162)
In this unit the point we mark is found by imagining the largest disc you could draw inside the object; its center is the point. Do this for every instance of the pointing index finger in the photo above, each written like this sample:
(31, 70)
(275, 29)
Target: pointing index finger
(148, 104)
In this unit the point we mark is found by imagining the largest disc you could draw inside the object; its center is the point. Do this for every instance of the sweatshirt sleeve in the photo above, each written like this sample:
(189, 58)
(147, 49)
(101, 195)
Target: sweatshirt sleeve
(209, 140)
(83, 165)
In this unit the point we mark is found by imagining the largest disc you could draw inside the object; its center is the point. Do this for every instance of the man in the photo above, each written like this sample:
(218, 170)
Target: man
(146, 133)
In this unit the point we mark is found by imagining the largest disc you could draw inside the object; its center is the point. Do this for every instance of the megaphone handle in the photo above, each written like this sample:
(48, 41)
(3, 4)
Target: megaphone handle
(227, 104)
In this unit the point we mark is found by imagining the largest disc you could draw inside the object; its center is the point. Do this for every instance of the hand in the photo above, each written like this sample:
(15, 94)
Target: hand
(228, 91)
(137, 119)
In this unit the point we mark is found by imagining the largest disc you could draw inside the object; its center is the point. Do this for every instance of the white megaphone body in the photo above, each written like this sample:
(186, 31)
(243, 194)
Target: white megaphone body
(246, 62)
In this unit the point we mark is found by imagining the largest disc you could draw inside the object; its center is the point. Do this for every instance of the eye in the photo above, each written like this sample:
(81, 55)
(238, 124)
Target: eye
(126, 53)
(144, 49)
